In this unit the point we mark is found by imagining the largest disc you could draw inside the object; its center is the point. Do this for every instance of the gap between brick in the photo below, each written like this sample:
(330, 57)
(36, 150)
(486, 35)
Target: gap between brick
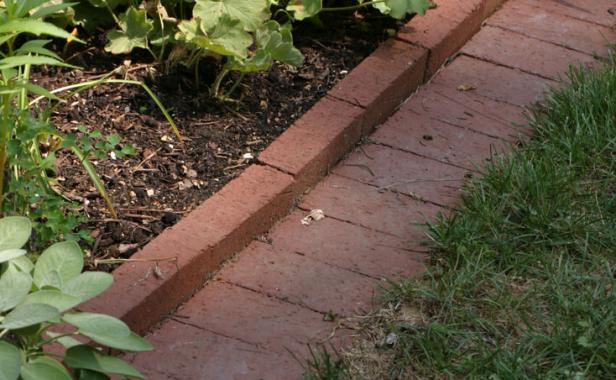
(178, 320)
(495, 63)
(412, 196)
(265, 294)
(540, 39)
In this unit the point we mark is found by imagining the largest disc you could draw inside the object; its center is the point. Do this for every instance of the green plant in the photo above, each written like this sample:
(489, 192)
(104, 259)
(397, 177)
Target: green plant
(35, 312)
(301, 9)
(28, 142)
(240, 34)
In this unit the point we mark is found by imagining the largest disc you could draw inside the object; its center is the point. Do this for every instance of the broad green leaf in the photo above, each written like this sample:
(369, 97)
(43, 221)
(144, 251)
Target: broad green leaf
(227, 38)
(23, 263)
(10, 254)
(44, 369)
(10, 361)
(108, 331)
(32, 26)
(86, 357)
(250, 13)
(54, 298)
(28, 315)
(14, 232)
(88, 285)
(277, 41)
(133, 33)
(400, 8)
(21, 60)
(58, 264)
(260, 61)
(14, 287)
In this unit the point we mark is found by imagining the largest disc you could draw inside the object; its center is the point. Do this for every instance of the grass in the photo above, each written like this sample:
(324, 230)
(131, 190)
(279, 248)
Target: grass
(522, 284)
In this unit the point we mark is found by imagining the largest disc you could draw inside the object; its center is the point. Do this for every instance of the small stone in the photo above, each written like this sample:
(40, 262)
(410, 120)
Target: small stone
(150, 192)
(191, 173)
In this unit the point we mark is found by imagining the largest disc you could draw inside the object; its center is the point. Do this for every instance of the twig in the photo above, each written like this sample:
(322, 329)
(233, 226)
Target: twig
(149, 157)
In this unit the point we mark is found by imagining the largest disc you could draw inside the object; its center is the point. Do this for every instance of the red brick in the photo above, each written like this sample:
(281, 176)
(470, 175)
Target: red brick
(362, 204)
(595, 11)
(184, 352)
(349, 246)
(383, 80)
(542, 24)
(527, 54)
(437, 140)
(395, 170)
(468, 110)
(253, 317)
(301, 280)
(444, 30)
(492, 81)
(224, 224)
(316, 141)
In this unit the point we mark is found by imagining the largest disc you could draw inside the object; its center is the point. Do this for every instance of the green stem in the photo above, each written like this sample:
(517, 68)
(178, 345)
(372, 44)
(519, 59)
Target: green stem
(236, 84)
(100, 187)
(352, 7)
(115, 18)
(217, 82)
(4, 136)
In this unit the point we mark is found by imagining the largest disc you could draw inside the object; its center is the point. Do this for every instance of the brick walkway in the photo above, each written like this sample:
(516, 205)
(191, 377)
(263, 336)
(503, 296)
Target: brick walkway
(274, 298)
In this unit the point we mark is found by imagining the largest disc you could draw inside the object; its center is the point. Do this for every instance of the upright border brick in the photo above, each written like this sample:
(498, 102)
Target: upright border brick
(444, 30)
(252, 203)
(383, 81)
(224, 224)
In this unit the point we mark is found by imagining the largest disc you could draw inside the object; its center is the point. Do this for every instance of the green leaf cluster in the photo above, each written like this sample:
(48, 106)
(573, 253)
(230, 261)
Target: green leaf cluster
(37, 297)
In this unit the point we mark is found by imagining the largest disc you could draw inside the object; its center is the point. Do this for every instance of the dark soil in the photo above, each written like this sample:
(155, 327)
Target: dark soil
(166, 179)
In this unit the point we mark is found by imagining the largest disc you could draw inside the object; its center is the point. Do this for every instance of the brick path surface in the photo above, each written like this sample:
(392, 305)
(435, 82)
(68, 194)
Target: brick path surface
(258, 315)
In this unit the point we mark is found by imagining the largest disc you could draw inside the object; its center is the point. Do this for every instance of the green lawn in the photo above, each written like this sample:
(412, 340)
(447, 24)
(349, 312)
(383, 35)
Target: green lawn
(523, 278)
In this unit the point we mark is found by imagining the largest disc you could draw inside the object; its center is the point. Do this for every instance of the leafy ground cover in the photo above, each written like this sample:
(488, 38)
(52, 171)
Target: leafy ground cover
(522, 282)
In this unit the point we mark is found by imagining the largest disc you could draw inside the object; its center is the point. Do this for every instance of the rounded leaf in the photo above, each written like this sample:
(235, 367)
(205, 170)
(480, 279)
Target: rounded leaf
(28, 315)
(14, 287)
(58, 265)
(10, 361)
(108, 331)
(14, 232)
(54, 298)
(44, 369)
(10, 254)
(86, 357)
(88, 285)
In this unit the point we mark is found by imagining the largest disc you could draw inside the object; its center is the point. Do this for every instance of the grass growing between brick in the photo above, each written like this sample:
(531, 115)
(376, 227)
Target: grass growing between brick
(522, 282)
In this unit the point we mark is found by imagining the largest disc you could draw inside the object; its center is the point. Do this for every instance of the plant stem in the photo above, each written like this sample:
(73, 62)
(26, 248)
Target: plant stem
(4, 135)
(237, 83)
(352, 7)
(216, 86)
(115, 18)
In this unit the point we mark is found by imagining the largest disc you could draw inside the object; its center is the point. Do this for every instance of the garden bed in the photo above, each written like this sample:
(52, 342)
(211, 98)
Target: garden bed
(153, 189)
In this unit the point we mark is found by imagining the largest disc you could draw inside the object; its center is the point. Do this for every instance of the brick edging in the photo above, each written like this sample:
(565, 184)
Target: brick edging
(144, 292)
